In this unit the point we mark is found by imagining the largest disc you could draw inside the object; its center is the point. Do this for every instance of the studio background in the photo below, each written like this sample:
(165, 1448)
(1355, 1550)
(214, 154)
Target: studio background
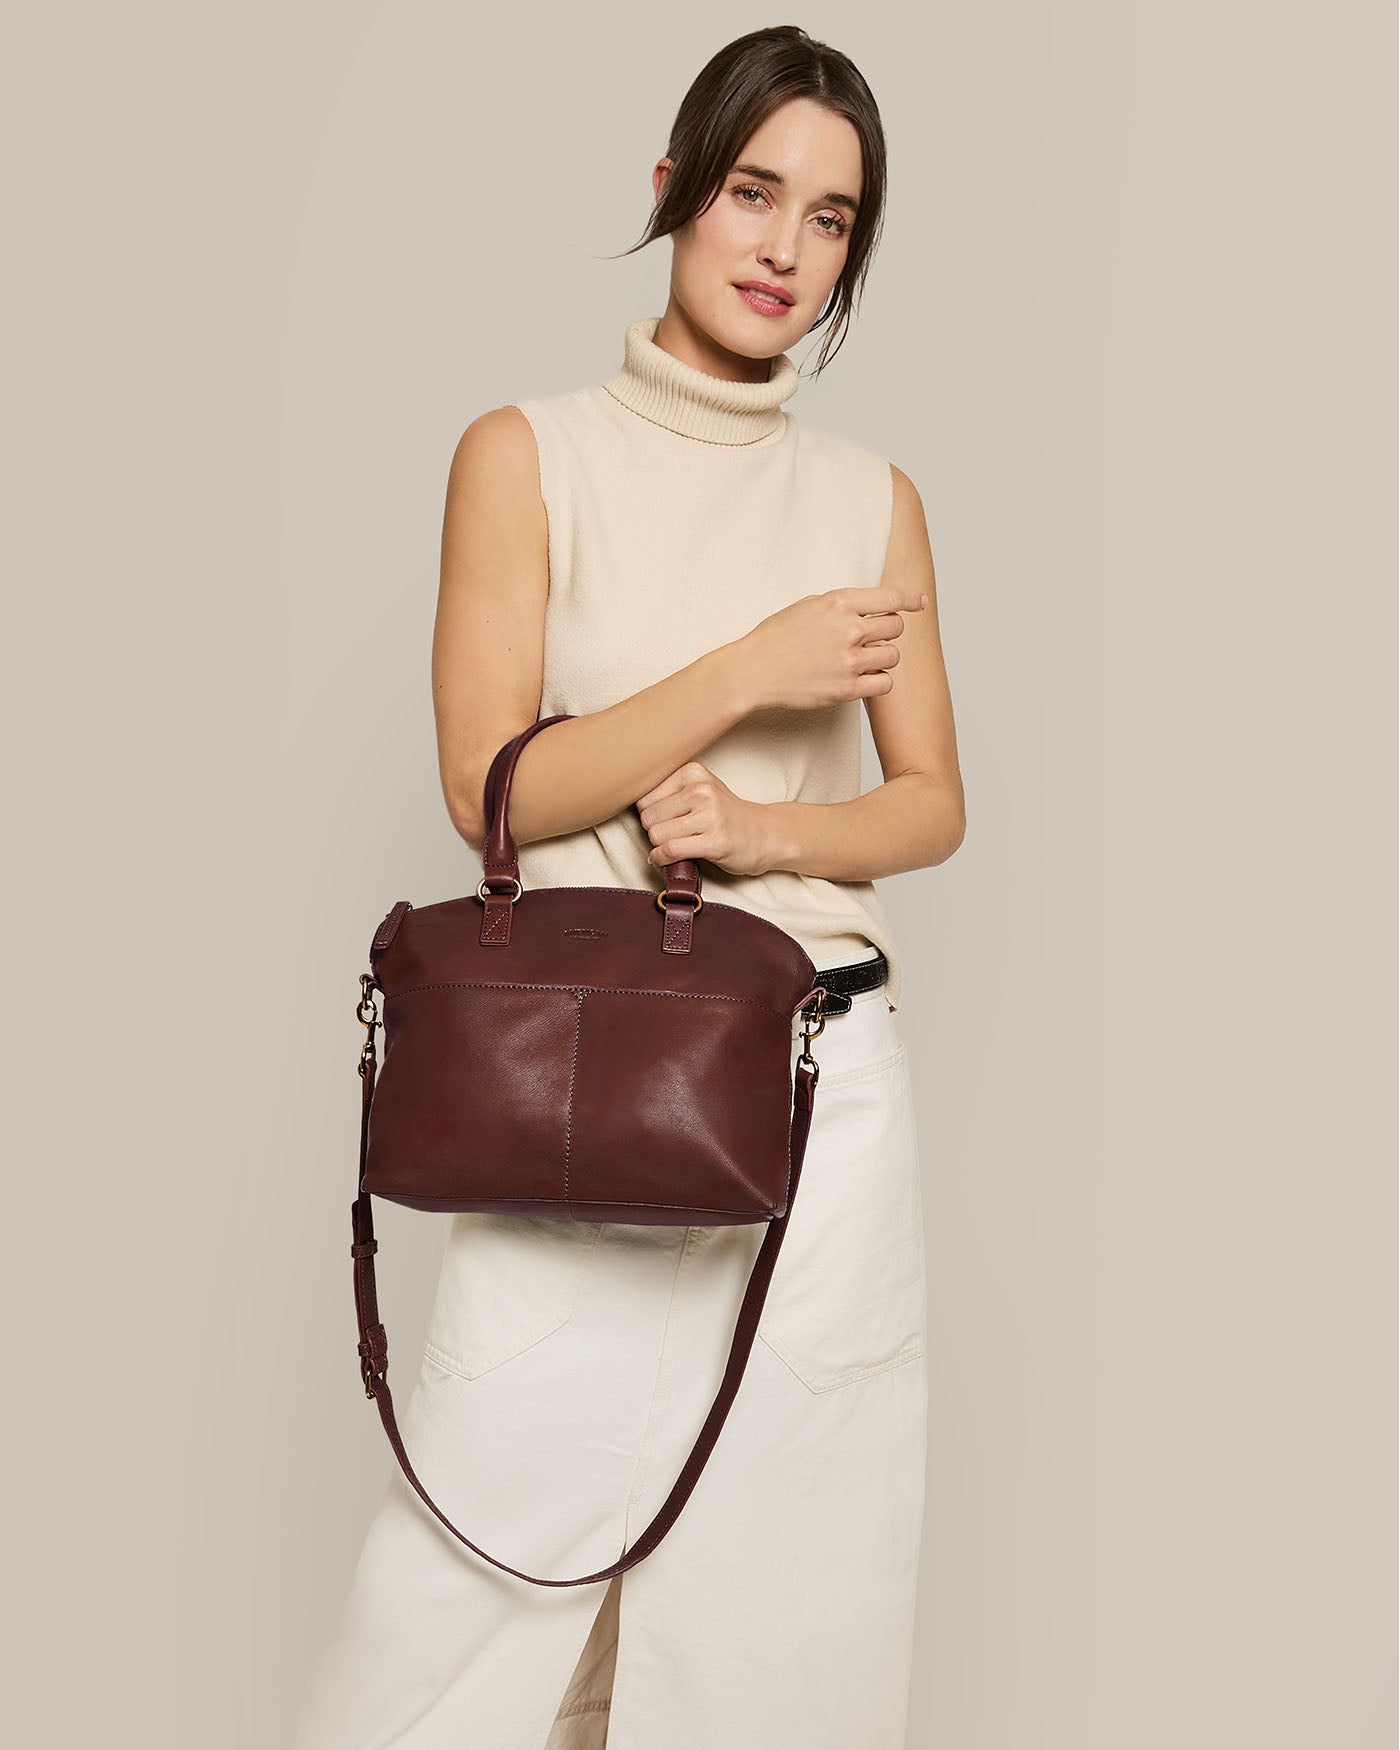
(1131, 333)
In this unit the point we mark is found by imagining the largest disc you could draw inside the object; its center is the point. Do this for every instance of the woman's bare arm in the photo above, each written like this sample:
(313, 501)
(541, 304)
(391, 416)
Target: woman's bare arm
(488, 659)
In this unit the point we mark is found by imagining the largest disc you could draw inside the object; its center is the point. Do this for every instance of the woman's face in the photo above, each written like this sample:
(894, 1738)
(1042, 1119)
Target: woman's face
(783, 217)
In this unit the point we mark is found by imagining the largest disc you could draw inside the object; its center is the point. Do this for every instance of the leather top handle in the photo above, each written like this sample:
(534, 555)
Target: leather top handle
(500, 858)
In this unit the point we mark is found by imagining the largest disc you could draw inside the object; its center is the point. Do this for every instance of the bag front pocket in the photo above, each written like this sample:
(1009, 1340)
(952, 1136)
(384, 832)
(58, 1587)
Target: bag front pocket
(507, 1283)
(847, 1298)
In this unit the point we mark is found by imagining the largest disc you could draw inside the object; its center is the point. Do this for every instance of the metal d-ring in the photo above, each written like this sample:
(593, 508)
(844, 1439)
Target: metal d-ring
(699, 901)
(483, 893)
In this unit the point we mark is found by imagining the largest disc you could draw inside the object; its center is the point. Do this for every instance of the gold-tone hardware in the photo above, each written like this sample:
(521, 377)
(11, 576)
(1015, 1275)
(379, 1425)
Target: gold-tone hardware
(482, 892)
(368, 1017)
(809, 1032)
(661, 902)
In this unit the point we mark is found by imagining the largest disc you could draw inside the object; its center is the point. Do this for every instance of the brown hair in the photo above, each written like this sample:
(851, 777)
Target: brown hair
(733, 95)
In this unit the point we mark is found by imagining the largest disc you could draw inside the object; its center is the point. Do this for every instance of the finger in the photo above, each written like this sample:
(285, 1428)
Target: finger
(868, 686)
(664, 816)
(692, 772)
(873, 658)
(667, 787)
(894, 596)
(675, 850)
(880, 626)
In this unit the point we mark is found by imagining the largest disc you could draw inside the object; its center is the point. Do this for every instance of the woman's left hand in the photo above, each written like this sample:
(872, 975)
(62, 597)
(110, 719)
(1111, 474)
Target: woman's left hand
(695, 814)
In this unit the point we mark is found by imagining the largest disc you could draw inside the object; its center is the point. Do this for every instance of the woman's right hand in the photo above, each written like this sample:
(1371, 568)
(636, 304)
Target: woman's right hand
(827, 648)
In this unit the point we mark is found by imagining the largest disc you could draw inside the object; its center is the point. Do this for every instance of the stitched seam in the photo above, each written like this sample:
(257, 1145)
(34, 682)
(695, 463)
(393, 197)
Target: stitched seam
(911, 1352)
(569, 1115)
(698, 996)
(526, 1204)
(453, 1365)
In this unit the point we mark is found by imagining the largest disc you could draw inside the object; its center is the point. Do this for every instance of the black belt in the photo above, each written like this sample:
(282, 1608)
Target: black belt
(843, 982)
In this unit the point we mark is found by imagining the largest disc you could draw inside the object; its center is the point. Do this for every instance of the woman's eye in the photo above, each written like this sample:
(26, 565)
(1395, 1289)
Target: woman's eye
(831, 223)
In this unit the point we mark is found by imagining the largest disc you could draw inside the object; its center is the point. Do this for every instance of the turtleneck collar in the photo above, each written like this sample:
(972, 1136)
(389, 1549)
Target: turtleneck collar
(663, 389)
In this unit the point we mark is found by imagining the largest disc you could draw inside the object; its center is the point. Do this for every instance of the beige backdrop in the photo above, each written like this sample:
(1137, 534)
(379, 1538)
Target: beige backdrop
(1131, 331)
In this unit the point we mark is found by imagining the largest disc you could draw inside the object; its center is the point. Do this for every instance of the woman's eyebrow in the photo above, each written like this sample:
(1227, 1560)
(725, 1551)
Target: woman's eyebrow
(831, 200)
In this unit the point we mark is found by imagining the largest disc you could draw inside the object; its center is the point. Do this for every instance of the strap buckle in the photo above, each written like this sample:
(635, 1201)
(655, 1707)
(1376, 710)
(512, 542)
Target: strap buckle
(374, 1357)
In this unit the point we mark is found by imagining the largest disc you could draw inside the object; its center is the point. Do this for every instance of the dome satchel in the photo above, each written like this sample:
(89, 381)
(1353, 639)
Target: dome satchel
(588, 1054)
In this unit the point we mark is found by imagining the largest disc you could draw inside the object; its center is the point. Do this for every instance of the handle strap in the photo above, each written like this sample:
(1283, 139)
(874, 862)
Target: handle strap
(374, 1341)
(500, 858)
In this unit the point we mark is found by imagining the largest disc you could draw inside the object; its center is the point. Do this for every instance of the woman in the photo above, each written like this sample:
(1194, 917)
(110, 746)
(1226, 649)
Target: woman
(713, 589)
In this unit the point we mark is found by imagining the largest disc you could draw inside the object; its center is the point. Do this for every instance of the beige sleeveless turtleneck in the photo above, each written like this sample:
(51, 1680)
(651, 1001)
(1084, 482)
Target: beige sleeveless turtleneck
(683, 509)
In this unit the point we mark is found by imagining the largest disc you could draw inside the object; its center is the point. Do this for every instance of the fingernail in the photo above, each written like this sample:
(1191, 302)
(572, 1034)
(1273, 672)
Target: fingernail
(923, 601)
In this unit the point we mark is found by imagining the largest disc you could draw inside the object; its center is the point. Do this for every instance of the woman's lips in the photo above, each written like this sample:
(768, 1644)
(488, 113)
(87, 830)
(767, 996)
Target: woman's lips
(764, 306)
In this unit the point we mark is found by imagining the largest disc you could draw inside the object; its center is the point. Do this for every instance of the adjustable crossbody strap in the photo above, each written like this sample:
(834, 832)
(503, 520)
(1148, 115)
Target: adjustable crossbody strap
(374, 1343)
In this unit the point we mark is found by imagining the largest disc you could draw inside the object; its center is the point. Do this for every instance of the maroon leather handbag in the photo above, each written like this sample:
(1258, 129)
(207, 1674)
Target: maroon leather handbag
(588, 1054)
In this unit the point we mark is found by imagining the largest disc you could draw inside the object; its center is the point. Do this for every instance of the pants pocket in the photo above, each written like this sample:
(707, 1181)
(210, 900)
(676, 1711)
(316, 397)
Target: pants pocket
(507, 1283)
(848, 1294)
